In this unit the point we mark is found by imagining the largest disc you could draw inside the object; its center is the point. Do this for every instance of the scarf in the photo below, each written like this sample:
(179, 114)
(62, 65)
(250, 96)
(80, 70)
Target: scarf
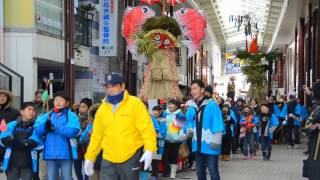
(115, 99)
(56, 110)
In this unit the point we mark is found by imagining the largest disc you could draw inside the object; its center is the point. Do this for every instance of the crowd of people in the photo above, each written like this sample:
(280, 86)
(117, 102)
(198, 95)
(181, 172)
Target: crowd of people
(119, 139)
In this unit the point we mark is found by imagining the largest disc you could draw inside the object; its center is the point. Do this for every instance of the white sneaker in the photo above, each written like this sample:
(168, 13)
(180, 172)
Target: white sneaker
(173, 171)
(290, 147)
(193, 167)
(296, 146)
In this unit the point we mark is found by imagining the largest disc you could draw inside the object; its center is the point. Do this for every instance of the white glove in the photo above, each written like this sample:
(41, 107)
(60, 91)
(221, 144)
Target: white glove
(88, 167)
(147, 159)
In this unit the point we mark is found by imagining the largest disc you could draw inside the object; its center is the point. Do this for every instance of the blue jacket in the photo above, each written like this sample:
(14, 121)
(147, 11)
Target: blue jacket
(34, 157)
(280, 113)
(156, 124)
(237, 113)
(234, 117)
(161, 128)
(304, 112)
(298, 112)
(272, 125)
(56, 144)
(84, 137)
(212, 126)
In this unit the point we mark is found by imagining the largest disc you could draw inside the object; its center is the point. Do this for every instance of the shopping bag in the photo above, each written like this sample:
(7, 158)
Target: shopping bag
(183, 151)
(243, 131)
(311, 169)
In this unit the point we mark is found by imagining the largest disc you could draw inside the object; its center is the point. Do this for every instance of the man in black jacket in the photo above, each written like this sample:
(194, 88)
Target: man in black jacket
(7, 113)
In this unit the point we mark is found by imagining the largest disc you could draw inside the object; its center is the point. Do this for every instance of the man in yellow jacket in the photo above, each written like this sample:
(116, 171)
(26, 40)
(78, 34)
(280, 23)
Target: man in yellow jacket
(122, 129)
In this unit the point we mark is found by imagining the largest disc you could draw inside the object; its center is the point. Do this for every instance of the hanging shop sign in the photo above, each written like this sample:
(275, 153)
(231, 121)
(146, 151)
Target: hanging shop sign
(275, 81)
(49, 16)
(98, 78)
(233, 64)
(48, 21)
(109, 28)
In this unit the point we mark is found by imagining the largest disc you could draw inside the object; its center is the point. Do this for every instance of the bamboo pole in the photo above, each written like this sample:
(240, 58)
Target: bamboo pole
(163, 7)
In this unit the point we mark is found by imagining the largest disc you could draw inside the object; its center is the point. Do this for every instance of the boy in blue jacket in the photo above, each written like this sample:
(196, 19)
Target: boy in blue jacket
(160, 127)
(20, 160)
(269, 123)
(59, 128)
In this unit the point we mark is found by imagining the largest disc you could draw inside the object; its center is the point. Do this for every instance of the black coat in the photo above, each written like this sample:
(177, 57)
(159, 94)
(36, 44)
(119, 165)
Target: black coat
(9, 114)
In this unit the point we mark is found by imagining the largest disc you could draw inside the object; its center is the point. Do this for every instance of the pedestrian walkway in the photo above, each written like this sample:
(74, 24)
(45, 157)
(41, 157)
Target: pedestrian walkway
(285, 164)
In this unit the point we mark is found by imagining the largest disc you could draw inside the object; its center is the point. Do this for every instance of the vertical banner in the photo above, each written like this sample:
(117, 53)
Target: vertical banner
(98, 78)
(108, 28)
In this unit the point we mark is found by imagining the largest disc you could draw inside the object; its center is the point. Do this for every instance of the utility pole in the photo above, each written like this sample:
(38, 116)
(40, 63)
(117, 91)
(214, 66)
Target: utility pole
(1, 32)
(69, 49)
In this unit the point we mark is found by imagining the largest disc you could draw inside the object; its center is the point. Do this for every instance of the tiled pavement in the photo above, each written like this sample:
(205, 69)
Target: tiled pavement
(284, 165)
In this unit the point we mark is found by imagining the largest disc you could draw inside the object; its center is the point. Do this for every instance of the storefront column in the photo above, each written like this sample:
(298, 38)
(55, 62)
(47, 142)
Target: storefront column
(301, 74)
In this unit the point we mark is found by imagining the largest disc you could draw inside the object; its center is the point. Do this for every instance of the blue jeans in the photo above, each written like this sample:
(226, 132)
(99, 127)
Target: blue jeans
(266, 144)
(248, 140)
(54, 166)
(78, 170)
(204, 160)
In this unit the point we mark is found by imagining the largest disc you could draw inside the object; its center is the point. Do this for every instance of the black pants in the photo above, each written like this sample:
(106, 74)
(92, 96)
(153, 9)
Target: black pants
(226, 144)
(15, 173)
(235, 140)
(277, 134)
(293, 135)
(155, 168)
(170, 156)
(191, 157)
(296, 134)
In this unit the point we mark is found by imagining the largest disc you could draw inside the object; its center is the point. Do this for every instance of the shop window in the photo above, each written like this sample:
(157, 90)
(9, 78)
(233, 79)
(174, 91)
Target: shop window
(83, 27)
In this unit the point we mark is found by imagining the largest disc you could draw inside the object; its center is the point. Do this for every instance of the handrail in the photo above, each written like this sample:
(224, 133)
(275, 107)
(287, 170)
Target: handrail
(10, 78)
(21, 81)
(13, 72)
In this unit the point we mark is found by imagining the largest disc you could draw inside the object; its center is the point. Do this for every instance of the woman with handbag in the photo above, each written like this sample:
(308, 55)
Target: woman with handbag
(248, 128)
(311, 166)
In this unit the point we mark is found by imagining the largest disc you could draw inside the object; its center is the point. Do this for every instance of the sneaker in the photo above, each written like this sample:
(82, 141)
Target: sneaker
(290, 147)
(245, 158)
(251, 157)
(193, 167)
(228, 158)
(296, 146)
